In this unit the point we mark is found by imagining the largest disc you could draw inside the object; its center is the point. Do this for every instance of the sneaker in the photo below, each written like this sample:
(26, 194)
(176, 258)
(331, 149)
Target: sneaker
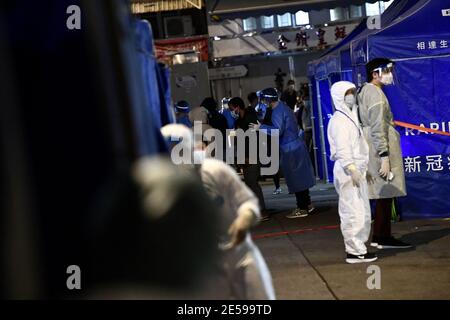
(392, 243)
(277, 191)
(368, 257)
(311, 208)
(374, 242)
(297, 213)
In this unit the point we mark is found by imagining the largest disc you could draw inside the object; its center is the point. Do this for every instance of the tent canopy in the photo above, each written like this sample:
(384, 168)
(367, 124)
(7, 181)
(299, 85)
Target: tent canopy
(341, 53)
(233, 9)
(410, 34)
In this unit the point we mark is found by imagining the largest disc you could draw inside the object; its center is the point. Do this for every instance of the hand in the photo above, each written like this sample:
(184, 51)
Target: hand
(355, 174)
(240, 226)
(255, 126)
(238, 231)
(385, 167)
(369, 178)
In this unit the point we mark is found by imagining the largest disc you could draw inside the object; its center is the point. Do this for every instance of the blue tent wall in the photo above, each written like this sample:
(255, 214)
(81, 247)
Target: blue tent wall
(419, 97)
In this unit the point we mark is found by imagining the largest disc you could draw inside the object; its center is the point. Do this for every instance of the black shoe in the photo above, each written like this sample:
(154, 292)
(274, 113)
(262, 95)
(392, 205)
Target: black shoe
(392, 243)
(368, 257)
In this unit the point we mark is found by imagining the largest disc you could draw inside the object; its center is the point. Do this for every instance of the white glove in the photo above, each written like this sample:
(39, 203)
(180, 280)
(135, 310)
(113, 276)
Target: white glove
(385, 167)
(356, 175)
(255, 126)
(240, 226)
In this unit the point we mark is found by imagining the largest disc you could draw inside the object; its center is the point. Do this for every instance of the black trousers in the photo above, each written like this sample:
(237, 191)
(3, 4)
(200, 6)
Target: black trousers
(251, 175)
(276, 180)
(382, 223)
(303, 199)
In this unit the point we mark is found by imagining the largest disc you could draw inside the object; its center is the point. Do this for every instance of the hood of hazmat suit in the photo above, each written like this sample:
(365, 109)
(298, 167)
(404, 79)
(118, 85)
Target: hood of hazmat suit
(347, 143)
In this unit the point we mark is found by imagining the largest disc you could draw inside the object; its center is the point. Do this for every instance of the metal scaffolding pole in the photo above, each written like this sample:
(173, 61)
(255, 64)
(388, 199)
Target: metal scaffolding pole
(316, 169)
(322, 134)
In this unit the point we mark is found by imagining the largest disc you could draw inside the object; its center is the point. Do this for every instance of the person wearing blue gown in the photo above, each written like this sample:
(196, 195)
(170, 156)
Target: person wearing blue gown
(182, 109)
(294, 157)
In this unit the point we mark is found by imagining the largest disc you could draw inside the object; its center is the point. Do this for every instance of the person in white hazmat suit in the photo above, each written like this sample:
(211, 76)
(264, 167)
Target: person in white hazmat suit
(243, 273)
(350, 152)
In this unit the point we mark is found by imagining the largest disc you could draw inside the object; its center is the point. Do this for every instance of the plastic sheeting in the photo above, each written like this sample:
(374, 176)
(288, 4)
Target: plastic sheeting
(154, 75)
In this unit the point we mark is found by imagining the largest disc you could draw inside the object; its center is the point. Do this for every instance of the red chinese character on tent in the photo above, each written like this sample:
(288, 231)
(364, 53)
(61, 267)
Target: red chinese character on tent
(302, 38)
(340, 33)
(321, 35)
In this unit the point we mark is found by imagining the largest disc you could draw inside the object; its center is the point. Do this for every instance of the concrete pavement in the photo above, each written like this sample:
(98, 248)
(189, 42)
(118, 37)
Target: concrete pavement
(306, 255)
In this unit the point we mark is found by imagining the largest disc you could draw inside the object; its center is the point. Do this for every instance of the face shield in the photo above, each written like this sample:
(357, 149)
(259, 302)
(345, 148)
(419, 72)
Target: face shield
(387, 74)
(225, 103)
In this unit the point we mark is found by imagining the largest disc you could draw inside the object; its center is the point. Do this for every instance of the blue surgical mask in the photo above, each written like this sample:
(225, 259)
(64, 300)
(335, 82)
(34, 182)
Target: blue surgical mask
(235, 115)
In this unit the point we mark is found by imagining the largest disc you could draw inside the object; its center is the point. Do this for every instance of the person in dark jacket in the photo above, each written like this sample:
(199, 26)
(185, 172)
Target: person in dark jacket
(244, 117)
(215, 119)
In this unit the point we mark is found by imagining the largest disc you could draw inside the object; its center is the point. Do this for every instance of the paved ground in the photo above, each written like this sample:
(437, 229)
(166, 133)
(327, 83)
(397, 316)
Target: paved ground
(306, 255)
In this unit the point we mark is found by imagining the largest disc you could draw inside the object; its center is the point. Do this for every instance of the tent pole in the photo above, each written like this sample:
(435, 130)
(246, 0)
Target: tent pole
(322, 134)
(316, 170)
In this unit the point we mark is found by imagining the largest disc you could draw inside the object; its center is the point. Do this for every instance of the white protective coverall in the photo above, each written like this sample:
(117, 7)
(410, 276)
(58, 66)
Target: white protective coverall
(243, 272)
(244, 266)
(349, 148)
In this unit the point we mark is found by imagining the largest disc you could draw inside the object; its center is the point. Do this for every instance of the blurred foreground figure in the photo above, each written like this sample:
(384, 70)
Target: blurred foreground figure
(155, 237)
(242, 272)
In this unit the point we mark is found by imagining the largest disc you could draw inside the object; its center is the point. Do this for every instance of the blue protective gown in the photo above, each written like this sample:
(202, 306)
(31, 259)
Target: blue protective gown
(184, 119)
(294, 157)
(230, 120)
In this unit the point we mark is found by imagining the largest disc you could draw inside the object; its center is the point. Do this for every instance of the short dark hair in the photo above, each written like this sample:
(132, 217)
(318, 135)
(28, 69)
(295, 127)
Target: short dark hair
(252, 97)
(238, 102)
(290, 82)
(209, 103)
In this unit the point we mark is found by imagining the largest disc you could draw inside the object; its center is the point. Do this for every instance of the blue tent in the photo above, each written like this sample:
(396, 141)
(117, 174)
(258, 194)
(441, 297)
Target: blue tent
(336, 65)
(421, 96)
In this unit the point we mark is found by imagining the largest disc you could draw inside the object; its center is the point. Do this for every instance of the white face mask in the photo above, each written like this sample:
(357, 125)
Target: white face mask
(350, 100)
(199, 156)
(387, 79)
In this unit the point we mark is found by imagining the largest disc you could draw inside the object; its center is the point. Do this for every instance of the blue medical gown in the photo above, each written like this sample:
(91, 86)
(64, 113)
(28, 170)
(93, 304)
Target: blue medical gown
(184, 119)
(230, 120)
(294, 158)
